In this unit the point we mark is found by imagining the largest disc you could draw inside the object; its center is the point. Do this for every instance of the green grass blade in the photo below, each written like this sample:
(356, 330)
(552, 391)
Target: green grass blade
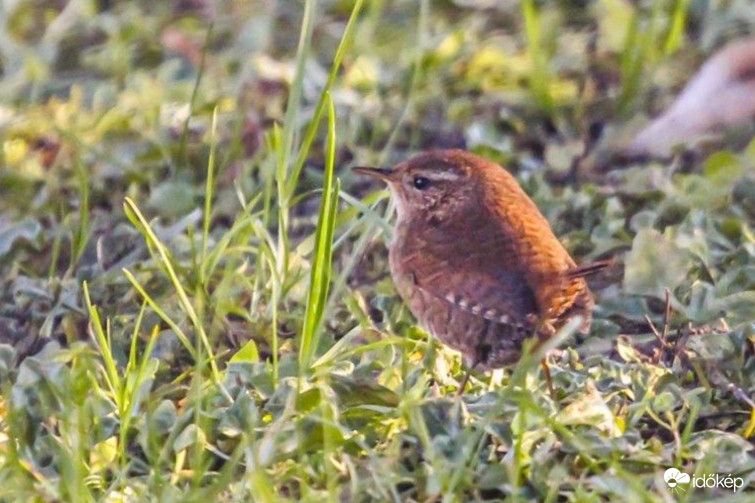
(182, 151)
(294, 100)
(81, 235)
(322, 253)
(159, 312)
(112, 377)
(309, 135)
(208, 193)
(134, 214)
(675, 35)
(283, 140)
(540, 78)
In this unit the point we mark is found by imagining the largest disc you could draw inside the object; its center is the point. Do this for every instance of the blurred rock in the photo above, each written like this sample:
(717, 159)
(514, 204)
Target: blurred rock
(721, 96)
(719, 101)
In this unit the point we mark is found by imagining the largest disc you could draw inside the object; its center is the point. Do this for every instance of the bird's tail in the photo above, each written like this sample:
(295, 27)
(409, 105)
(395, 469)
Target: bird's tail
(589, 269)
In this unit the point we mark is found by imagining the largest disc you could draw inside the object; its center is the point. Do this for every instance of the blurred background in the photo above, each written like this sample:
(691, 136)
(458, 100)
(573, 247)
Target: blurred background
(209, 119)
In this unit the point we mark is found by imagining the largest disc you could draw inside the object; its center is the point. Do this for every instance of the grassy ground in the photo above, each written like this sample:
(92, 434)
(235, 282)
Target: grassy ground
(194, 299)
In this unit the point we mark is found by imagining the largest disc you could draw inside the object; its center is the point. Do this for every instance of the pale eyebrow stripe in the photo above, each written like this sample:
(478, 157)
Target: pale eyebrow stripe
(440, 175)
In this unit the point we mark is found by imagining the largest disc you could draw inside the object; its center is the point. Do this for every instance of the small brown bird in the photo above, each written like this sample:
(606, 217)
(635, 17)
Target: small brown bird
(475, 260)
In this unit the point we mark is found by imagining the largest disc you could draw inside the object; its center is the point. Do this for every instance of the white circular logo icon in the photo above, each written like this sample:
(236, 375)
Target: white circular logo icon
(674, 477)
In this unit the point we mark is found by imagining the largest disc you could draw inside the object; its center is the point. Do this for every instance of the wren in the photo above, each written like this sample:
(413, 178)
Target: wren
(475, 260)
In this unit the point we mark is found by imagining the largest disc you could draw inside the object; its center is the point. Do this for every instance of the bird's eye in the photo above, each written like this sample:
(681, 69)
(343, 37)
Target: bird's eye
(421, 183)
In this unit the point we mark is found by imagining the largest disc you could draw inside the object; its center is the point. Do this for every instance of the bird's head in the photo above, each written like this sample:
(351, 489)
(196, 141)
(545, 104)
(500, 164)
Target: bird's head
(437, 186)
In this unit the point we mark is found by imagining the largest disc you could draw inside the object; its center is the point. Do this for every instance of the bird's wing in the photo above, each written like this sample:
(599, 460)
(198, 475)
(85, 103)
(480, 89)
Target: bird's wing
(493, 293)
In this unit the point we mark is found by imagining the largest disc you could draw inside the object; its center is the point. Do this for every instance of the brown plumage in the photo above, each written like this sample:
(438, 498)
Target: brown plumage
(476, 262)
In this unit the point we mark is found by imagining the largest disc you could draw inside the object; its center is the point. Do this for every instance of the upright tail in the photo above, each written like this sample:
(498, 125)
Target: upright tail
(589, 269)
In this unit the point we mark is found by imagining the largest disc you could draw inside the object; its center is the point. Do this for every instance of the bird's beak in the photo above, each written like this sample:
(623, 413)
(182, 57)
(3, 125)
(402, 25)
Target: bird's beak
(384, 174)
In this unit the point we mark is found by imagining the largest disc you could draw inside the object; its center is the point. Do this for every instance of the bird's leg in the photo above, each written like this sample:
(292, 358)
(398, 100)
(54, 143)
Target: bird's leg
(548, 380)
(545, 331)
(464, 381)
(482, 353)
